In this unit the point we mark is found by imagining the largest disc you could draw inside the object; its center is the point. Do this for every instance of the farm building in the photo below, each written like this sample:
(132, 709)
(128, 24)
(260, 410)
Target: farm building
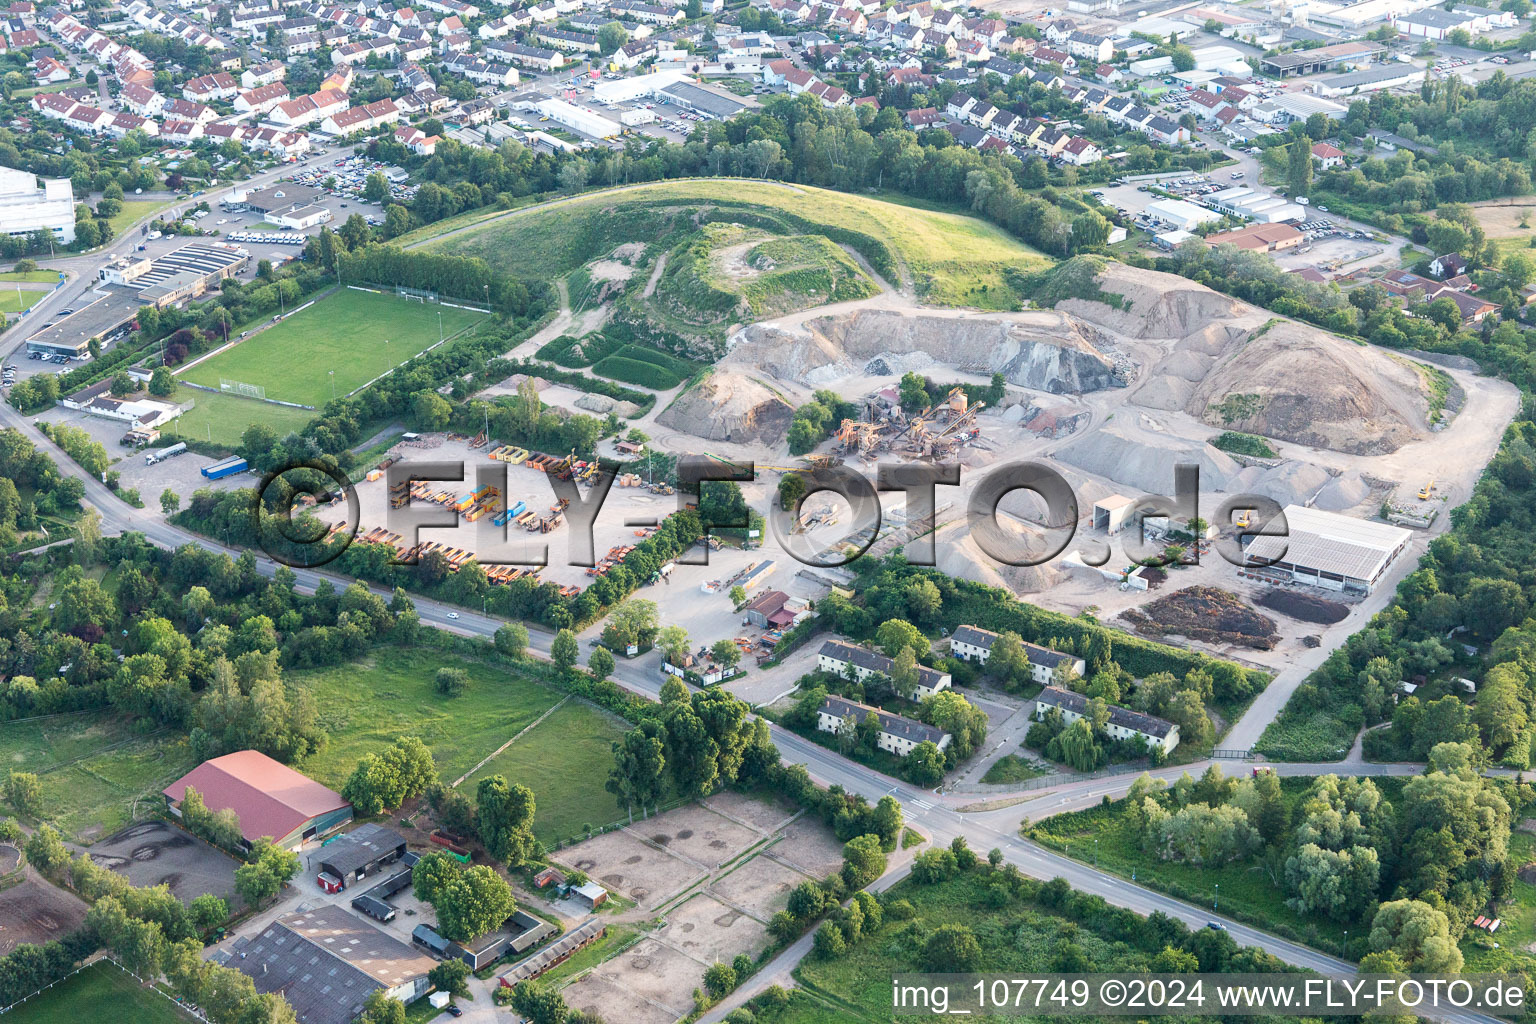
(767, 609)
(326, 961)
(973, 643)
(588, 893)
(1123, 722)
(1329, 550)
(360, 853)
(269, 798)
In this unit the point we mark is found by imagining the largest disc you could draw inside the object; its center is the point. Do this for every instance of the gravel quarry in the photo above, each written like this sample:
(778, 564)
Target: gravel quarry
(1112, 393)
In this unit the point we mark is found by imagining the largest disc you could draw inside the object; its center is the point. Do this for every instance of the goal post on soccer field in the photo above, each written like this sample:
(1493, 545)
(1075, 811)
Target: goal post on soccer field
(237, 387)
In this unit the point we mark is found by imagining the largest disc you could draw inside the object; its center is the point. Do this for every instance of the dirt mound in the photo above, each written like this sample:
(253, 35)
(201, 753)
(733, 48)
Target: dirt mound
(727, 406)
(1155, 305)
(1044, 351)
(1297, 383)
(1145, 460)
(1205, 613)
(1303, 606)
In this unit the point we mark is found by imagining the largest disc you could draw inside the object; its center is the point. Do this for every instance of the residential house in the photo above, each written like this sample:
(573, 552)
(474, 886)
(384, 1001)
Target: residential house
(1448, 265)
(1327, 157)
(208, 88)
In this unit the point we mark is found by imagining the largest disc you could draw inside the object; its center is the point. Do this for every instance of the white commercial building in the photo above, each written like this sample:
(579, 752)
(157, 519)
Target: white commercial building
(1183, 215)
(579, 119)
(627, 90)
(1329, 550)
(25, 208)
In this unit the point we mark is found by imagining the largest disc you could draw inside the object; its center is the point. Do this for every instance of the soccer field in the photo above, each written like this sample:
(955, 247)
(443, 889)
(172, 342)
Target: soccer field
(100, 992)
(358, 335)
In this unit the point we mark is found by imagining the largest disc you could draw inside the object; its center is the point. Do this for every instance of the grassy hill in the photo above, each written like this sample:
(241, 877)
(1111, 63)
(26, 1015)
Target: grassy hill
(949, 258)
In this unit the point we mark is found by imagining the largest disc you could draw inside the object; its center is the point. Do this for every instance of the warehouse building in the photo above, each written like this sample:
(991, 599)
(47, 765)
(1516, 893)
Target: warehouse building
(1329, 550)
(269, 798)
(700, 100)
(972, 643)
(1353, 83)
(1123, 723)
(185, 273)
(1182, 215)
(579, 119)
(327, 961)
(1323, 58)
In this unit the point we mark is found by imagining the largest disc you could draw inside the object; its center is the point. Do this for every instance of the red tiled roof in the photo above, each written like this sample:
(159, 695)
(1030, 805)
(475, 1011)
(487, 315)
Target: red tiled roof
(270, 799)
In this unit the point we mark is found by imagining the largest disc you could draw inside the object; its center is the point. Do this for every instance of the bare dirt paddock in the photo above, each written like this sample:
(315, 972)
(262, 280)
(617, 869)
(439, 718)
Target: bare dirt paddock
(628, 866)
(653, 972)
(596, 994)
(156, 852)
(762, 886)
(35, 912)
(700, 835)
(810, 846)
(706, 929)
(760, 814)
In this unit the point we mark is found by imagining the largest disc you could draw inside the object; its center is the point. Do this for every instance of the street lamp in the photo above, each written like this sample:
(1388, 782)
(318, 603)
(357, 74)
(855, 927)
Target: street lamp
(1215, 904)
(439, 327)
(333, 385)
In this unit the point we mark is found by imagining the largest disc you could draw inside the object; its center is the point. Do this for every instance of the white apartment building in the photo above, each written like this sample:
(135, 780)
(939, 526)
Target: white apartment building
(898, 735)
(972, 643)
(1123, 723)
(25, 208)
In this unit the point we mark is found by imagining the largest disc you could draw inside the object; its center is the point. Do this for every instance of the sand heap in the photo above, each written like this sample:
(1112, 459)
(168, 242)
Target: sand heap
(728, 406)
(1045, 351)
(957, 554)
(1145, 461)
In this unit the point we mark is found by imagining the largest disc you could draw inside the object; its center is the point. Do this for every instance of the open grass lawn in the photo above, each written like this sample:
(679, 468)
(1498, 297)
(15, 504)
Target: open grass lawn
(100, 992)
(1242, 890)
(13, 301)
(221, 419)
(132, 210)
(366, 705)
(564, 760)
(30, 276)
(358, 335)
(953, 259)
(1012, 768)
(94, 796)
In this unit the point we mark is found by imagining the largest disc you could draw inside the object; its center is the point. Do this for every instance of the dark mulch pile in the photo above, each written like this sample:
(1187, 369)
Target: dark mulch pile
(1206, 613)
(1306, 607)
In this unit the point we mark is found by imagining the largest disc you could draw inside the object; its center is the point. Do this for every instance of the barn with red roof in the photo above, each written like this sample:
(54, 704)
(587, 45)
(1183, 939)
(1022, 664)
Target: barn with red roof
(269, 798)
